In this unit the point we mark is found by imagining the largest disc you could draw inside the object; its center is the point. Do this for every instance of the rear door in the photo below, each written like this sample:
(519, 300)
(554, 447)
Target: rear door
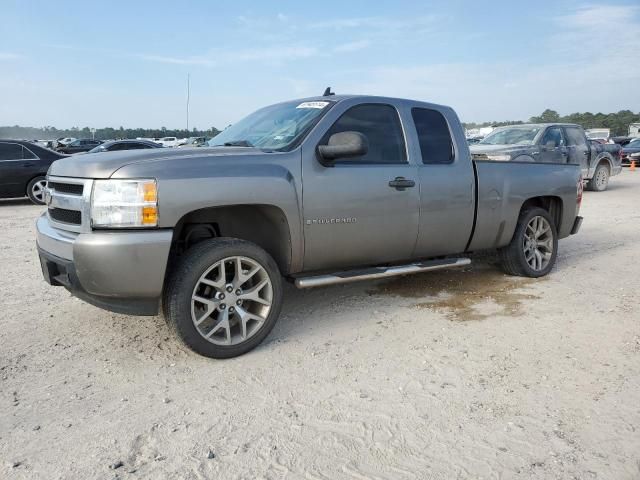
(353, 213)
(578, 149)
(447, 186)
(15, 169)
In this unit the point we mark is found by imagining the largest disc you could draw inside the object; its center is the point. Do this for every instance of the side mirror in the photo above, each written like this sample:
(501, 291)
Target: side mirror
(343, 145)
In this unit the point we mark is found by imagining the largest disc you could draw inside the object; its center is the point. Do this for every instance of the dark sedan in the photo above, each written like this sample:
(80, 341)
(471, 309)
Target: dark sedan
(630, 148)
(115, 145)
(80, 145)
(23, 167)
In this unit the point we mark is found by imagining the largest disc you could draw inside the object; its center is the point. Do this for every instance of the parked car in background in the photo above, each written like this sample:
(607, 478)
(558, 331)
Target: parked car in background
(169, 141)
(322, 190)
(62, 142)
(629, 149)
(23, 167)
(194, 142)
(116, 145)
(552, 143)
(80, 145)
(622, 141)
(600, 134)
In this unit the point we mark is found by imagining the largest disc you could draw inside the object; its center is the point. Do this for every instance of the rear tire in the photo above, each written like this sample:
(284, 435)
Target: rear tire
(600, 180)
(215, 311)
(534, 246)
(35, 190)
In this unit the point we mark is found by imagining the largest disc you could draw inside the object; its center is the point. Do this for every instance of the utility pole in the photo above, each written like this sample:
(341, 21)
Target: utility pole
(188, 95)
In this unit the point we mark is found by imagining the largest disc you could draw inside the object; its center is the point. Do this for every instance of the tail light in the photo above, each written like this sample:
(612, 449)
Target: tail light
(580, 189)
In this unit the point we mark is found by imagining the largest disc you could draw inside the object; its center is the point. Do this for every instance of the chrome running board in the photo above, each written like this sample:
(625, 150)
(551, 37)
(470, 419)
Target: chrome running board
(379, 272)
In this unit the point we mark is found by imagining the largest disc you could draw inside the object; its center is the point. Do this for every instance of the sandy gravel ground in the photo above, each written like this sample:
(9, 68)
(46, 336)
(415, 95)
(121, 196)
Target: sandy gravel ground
(452, 375)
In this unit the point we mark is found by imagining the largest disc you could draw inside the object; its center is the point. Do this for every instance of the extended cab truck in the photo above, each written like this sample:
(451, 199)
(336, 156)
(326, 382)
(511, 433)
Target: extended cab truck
(552, 142)
(319, 191)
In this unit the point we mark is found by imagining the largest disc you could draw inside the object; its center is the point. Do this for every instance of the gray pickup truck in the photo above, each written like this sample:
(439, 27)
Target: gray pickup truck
(318, 191)
(552, 142)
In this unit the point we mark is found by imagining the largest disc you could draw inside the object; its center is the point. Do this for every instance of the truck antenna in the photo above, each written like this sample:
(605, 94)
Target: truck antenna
(327, 92)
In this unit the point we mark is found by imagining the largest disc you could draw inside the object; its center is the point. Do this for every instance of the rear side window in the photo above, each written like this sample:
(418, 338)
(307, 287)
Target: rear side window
(381, 125)
(10, 151)
(436, 145)
(575, 136)
(28, 154)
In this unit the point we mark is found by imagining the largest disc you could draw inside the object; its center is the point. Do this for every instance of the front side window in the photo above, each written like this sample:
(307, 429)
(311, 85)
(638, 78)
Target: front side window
(553, 138)
(436, 146)
(277, 127)
(381, 125)
(575, 136)
(10, 151)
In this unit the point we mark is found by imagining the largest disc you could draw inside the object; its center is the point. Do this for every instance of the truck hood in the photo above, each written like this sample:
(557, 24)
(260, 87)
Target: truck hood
(105, 164)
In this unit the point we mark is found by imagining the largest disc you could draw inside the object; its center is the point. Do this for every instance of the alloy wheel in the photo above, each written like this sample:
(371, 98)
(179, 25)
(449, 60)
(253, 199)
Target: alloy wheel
(231, 300)
(37, 190)
(538, 243)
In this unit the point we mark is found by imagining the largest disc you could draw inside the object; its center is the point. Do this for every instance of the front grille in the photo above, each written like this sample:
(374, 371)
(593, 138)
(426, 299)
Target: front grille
(63, 215)
(70, 188)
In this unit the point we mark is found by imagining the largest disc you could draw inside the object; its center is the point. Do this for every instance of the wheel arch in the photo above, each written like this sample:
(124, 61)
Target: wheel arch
(31, 178)
(263, 224)
(551, 203)
(603, 159)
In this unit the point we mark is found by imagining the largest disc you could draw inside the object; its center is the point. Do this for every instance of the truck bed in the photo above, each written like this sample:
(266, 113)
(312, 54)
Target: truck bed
(502, 188)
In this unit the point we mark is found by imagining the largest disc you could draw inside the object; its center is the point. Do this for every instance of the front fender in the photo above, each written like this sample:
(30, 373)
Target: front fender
(184, 187)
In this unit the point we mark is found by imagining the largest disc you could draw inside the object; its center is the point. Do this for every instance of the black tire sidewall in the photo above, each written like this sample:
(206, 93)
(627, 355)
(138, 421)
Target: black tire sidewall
(177, 299)
(519, 239)
(30, 185)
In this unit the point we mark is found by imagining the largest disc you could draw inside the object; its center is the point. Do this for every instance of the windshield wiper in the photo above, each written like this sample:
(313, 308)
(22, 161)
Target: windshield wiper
(238, 143)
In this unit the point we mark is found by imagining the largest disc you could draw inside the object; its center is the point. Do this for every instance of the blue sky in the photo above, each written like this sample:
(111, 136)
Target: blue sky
(71, 63)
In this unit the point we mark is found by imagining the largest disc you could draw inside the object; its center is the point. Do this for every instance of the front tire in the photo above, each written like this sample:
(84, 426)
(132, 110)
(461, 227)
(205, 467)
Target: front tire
(600, 180)
(223, 297)
(35, 190)
(534, 246)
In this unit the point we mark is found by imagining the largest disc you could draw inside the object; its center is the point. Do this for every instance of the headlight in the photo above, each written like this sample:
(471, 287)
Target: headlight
(499, 158)
(124, 204)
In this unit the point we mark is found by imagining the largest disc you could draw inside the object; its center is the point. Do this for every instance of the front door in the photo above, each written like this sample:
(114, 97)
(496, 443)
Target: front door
(361, 211)
(553, 147)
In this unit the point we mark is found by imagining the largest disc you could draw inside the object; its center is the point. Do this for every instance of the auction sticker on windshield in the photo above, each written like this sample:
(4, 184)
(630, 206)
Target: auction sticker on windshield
(313, 105)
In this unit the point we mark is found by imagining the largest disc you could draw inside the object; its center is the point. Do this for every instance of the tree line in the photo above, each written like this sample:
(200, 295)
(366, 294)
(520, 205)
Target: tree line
(617, 122)
(107, 133)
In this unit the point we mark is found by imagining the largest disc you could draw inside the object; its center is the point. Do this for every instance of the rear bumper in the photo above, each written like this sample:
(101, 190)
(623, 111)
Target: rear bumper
(119, 271)
(577, 223)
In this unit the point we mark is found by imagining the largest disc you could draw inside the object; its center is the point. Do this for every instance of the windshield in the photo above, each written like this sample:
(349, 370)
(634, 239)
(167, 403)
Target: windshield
(277, 127)
(511, 136)
(99, 148)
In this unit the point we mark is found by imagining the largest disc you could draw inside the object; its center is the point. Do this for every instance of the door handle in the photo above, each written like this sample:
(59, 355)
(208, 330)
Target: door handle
(28, 164)
(400, 183)
(585, 153)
